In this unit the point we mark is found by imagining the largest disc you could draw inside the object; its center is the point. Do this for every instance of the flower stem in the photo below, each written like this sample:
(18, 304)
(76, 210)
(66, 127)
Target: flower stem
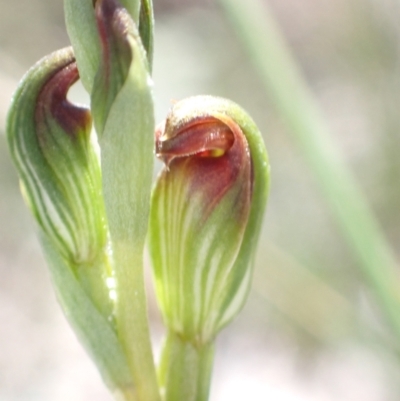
(185, 369)
(132, 322)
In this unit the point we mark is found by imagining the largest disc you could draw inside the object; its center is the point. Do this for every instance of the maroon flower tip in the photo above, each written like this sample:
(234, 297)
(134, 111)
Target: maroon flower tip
(52, 100)
(213, 152)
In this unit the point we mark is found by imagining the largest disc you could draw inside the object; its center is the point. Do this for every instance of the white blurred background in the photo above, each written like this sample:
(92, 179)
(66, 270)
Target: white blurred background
(311, 329)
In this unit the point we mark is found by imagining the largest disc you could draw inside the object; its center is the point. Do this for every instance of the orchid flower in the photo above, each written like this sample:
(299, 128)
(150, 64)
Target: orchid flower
(206, 214)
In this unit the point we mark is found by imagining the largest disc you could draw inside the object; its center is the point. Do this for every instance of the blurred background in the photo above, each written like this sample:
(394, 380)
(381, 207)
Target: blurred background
(312, 328)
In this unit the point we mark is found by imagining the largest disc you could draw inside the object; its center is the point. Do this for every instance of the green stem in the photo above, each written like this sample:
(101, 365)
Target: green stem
(185, 369)
(132, 322)
(298, 109)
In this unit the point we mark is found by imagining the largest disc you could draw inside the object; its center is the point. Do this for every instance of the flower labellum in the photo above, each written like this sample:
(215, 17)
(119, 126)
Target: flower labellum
(206, 214)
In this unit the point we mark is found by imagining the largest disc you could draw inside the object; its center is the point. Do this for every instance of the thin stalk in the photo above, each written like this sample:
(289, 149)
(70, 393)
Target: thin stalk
(296, 105)
(185, 369)
(132, 321)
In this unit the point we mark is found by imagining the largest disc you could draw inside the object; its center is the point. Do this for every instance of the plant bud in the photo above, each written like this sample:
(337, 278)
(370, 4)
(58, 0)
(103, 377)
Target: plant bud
(206, 214)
